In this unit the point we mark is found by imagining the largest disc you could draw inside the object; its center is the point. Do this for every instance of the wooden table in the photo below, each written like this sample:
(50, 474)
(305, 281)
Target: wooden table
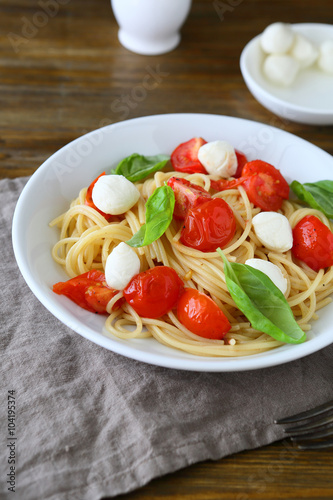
(63, 73)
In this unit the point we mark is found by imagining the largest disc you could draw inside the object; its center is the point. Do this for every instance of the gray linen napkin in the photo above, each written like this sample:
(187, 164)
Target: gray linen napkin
(90, 423)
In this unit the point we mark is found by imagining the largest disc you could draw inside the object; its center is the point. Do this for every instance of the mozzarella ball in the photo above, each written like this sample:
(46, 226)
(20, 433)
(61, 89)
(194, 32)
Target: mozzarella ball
(121, 266)
(281, 69)
(273, 231)
(304, 51)
(325, 60)
(271, 270)
(114, 194)
(277, 38)
(218, 157)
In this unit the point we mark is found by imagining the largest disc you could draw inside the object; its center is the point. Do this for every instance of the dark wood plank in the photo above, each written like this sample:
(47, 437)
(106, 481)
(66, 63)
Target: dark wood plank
(276, 472)
(73, 76)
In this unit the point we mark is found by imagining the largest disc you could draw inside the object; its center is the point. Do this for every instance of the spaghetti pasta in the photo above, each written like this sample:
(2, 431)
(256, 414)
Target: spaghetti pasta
(86, 239)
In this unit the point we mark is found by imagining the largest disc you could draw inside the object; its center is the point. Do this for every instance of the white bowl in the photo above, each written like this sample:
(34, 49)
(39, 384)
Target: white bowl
(309, 99)
(52, 187)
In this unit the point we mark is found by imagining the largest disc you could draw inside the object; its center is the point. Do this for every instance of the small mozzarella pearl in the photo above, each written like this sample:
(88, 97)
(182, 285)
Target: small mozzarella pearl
(114, 194)
(281, 69)
(121, 266)
(218, 157)
(304, 51)
(325, 61)
(271, 270)
(273, 231)
(277, 38)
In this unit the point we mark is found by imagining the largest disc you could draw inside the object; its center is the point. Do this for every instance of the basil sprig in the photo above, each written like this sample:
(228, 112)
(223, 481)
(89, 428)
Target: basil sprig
(318, 195)
(137, 167)
(159, 212)
(261, 302)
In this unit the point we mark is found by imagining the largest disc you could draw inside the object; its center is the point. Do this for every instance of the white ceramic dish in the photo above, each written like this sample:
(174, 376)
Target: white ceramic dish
(149, 27)
(59, 179)
(309, 99)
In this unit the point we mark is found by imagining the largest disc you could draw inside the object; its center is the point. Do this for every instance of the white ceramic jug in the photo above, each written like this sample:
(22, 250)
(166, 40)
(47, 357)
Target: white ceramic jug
(150, 26)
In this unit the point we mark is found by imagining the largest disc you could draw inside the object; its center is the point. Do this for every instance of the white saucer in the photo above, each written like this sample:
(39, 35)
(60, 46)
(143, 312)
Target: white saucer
(309, 99)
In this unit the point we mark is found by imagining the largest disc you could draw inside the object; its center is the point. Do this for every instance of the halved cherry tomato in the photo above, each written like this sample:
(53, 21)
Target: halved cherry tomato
(313, 243)
(185, 157)
(241, 161)
(255, 167)
(224, 184)
(89, 201)
(89, 291)
(261, 191)
(209, 226)
(155, 292)
(264, 184)
(187, 195)
(201, 315)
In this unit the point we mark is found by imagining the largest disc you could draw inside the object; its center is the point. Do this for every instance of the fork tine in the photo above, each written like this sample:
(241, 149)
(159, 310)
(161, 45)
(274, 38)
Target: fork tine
(314, 424)
(315, 445)
(326, 432)
(313, 434)
(306, 414)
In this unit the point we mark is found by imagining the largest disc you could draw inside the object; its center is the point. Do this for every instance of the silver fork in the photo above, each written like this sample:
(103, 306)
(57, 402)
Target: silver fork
(315, 430)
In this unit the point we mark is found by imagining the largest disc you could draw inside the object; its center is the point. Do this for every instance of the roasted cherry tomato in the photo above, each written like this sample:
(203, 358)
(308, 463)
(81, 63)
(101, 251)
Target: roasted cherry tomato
(241, 161)
(256, 167)
(155, 292)
(187, 195)
(224, 184)
(185, 157)
(89, 291)
(264, 184)
(261, 191)
(201, 315)
(313, 243)
(89, 201)
(209, 226)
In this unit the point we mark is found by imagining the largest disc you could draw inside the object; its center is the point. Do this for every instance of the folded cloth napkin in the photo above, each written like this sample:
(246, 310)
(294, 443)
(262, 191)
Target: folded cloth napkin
(89, 423)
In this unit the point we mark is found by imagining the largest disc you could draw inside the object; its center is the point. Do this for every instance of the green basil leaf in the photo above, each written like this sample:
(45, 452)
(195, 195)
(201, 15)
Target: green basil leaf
(159, 212)
(137, 167)
(316, 194)
(261, 302)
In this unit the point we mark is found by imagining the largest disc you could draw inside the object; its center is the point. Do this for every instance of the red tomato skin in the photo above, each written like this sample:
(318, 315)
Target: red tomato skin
(313, 243)
(89, 201)
(209, 226)
(89, 291)
(155, 292)
(201, 315)
(260, 190)
(241, 161)
(281, 186)
(264, 184)
(225, 184)
(185, 157)
(187, 195)
(97, 297)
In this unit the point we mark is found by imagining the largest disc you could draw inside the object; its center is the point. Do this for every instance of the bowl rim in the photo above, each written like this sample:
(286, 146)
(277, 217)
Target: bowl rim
(206, 364)
(250, 81)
